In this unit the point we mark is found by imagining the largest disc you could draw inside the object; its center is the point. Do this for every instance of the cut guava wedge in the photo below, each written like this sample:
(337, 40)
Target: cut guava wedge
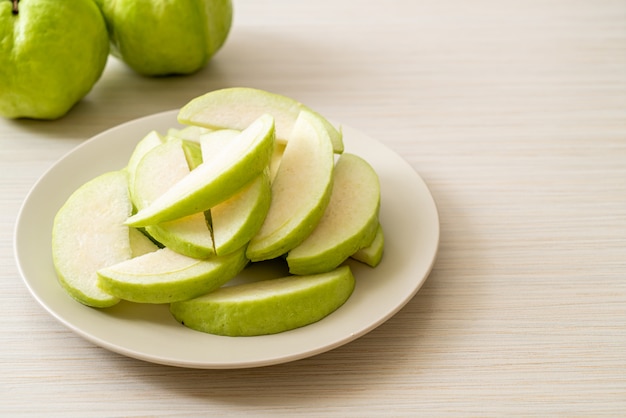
(88, 233)
(349, 223)
(267, 307)
(300, 191)
(237, 107)
(372, 254)
(244, 158)
(165, 276)
(160, 168)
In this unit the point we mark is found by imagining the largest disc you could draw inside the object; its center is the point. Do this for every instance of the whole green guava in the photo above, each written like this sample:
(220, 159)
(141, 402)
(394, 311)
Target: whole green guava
(167, 37)
(51, 54)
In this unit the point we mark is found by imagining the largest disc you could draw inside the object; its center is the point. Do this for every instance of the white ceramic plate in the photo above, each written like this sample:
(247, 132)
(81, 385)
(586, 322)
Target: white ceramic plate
(148, 332)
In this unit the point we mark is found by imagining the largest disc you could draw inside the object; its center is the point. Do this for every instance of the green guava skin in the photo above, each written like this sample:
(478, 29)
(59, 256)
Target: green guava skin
(166, 37)
(51, 54)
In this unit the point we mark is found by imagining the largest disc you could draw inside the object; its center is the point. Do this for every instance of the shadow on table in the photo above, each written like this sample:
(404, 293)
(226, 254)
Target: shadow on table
(249, 58)
(360, 365)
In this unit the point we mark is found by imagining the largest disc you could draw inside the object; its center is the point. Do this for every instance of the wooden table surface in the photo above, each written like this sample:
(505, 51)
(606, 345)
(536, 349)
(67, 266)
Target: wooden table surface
(514, 113)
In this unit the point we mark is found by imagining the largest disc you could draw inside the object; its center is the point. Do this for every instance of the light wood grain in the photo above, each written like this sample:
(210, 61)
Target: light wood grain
(515, 115)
